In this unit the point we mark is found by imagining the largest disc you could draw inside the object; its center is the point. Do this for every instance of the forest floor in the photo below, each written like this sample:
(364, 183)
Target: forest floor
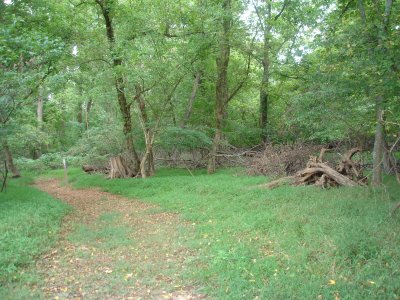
(193, 235)
(112, 247)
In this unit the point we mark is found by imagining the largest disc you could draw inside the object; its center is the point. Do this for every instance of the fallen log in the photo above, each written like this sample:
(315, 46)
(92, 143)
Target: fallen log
(323, 169)
(319, 173)
(93, 169)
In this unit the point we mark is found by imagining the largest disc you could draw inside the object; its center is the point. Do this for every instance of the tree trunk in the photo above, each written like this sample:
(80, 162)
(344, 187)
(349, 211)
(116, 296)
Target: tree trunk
(87, 111)
(39, 111)
(119, 168)
(10, 161)
(147, 162)
(264, 93)
(212, 161)
(39, 117)
(222, 96)
(192, 98)
(379, 144)
(79, 115)
(119, 85)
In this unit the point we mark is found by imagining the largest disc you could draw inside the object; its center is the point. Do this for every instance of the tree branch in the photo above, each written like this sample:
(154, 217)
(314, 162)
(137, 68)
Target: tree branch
(242, 82)
(282, 9)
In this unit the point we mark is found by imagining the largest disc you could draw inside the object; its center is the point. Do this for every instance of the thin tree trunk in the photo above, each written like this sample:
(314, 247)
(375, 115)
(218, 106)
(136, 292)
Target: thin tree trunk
(192, 98)
(147, 162)
(39, 117)
(120, 85)
(222, 90)
(10, 161)
(264, 93)
(39, 111)
(79, 116)
(87, 111)
(379, 144)
(264, 98)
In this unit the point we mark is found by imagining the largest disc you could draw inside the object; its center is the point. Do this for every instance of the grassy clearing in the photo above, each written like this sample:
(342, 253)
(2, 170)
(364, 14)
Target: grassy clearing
(291, 242)
(29, 223)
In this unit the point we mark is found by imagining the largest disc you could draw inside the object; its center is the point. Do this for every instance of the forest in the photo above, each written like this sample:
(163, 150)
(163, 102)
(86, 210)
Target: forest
(252, 144)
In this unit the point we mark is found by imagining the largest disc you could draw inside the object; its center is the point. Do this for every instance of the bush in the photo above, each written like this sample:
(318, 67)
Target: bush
(49, 161)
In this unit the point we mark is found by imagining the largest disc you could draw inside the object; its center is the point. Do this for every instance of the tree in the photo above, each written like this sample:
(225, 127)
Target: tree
(108, 8)
(28, 56)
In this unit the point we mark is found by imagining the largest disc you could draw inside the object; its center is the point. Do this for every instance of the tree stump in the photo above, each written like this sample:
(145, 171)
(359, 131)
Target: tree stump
(119, 168)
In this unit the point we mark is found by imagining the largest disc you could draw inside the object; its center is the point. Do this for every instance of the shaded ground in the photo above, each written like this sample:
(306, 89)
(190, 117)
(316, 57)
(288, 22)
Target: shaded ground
(116, 248)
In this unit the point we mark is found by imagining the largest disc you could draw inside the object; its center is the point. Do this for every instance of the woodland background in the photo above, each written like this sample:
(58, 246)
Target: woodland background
(176, 81)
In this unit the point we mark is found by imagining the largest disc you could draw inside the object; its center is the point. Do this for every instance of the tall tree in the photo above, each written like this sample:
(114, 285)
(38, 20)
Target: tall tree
(381, 37)
(267, 21)
(221, 87)
(107, 8)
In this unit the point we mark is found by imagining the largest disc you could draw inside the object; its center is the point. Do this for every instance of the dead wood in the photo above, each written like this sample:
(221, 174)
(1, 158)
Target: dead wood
(319, 173)
(93, 169)
(321, 154)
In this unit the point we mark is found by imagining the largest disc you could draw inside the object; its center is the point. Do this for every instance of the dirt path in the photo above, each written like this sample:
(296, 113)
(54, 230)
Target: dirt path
(115, 248)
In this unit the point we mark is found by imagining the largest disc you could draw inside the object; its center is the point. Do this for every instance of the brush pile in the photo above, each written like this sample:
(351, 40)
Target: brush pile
(320, 173)
(280, 160)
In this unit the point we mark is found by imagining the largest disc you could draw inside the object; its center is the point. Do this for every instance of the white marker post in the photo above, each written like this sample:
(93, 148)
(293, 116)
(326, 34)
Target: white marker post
(65, 170)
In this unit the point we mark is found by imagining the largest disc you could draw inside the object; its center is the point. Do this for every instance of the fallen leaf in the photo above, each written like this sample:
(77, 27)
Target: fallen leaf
(128, 276)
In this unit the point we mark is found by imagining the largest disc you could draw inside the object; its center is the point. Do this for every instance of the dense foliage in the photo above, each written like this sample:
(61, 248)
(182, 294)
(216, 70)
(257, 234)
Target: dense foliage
(94, 78)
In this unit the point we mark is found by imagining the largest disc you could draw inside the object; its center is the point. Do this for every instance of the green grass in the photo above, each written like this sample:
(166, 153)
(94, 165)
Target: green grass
(29, 224)
(291, 242)
(106, 232)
